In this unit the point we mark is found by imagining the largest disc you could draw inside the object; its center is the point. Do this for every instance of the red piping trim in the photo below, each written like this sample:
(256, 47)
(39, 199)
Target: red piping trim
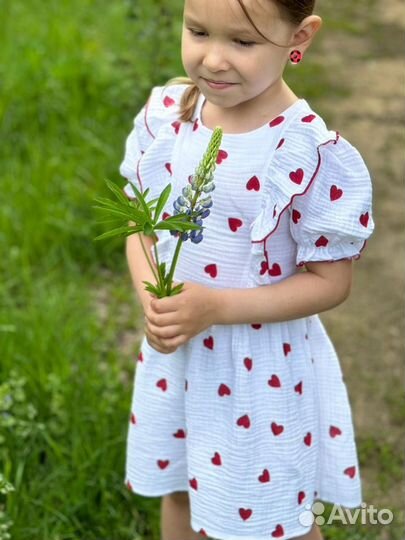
(146, 119)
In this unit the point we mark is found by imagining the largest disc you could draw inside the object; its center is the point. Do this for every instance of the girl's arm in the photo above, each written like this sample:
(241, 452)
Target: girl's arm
(322, 287)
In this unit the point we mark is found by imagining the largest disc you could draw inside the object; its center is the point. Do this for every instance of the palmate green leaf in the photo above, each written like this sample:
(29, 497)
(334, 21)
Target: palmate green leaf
(119, 231)
(177, 226)
(123, 210)
(118, 192)
(161, 202)
(177, 289)
(140, 197)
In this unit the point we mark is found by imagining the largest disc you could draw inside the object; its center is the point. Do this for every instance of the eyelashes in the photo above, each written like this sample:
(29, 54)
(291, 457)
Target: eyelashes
(201, 34)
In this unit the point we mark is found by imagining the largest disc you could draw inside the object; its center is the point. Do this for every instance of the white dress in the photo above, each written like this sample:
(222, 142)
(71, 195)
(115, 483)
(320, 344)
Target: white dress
(253, 420)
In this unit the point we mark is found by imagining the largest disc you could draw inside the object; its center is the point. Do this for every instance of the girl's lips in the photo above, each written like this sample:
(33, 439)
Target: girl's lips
(218, 85)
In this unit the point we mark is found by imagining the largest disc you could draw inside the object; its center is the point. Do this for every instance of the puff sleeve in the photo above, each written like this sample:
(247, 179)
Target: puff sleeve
(332, 219)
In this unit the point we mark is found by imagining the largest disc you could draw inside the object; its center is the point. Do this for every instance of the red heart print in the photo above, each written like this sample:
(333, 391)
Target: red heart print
(195, 125)
(322, 242)
(298, 388)
(248, 363)
(201, 531)
(364, 219)
(162, 384)
(222, 154)
(176, 126)
(274, 382)
(301, 497)
(297, 176)
(244, 421)
(212, 270)
(274, 211)
(277, 429)
(168, 101)
(334, 431)
(129, 485)
(308, 439)
(209, 342)
(280, 144)
(216, 460)
(165, 215)
(277, 121)
(140, 357)
(350, 471)
(245, 513)
(335, 193)
(278, 532)
(180, 434)
(163, 463)
(308, 119)
(296, 216)
(264, 268)
(275, 270)
(253, 184)
(193, 483)
(169, 168)
(133, 419)
(264, 477)
(224, 390)
(286, 348)
(234, 224)
(256, 326)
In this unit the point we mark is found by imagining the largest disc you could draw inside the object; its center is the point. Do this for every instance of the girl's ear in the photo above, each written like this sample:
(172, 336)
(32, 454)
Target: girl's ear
(306, 31)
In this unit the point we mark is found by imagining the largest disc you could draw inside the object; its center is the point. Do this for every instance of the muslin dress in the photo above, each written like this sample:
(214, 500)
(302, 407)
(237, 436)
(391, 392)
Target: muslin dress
(253, 420)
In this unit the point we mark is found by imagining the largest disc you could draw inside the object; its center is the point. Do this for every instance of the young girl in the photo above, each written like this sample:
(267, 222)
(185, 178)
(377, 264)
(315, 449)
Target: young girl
(240, 417)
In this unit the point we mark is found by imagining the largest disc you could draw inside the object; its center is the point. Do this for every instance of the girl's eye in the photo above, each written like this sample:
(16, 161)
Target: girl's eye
(197, 33)
(245, 43)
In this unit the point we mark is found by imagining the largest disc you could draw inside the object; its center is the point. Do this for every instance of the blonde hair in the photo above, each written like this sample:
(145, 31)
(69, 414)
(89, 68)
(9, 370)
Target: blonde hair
(189, 98)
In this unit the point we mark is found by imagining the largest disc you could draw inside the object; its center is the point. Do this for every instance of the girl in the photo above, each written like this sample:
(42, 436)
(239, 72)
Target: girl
(240, 417)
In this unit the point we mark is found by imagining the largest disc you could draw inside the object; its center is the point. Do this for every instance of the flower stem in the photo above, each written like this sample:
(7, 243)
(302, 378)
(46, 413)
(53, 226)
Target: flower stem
(173, 265)
(148, 258)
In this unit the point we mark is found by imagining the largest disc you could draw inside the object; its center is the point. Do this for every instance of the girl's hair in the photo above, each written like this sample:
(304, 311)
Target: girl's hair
(293, 11)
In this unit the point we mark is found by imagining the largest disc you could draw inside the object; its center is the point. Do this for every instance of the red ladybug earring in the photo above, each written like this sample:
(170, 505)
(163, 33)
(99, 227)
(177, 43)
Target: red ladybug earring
(295, 56)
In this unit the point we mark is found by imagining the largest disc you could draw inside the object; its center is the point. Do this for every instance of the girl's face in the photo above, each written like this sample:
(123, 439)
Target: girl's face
(225, 56)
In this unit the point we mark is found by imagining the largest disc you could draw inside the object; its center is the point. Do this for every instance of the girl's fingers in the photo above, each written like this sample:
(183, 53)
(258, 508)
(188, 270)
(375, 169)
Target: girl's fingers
(164, 332)
(165, 346)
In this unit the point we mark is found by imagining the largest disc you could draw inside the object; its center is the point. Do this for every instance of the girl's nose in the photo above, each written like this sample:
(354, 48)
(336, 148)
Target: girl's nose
(215, 59)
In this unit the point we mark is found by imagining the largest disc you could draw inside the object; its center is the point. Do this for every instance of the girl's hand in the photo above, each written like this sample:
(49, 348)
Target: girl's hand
(174, 320)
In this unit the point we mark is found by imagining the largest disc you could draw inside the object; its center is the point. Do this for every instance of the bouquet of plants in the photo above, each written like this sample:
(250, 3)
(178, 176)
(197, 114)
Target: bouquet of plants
(140, 215)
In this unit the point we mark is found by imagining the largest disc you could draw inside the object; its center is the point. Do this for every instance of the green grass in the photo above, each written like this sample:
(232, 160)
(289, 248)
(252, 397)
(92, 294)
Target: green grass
(72, 76)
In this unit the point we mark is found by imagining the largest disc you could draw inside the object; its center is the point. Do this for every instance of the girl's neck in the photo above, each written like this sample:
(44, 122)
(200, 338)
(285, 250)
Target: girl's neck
(250, 115)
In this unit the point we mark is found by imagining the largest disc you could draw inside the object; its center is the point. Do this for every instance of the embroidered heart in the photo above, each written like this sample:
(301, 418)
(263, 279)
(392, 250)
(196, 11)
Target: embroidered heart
(195, 125)
(256, 326)
(275, 270)
(253, 184)
(140, 357)
(201, 531)
(308, 439)
(176, 126)
(335, 193)
(364, 219)
(168, 101)
(133, 419)
(297, 176)
(180, 434)
(211, 269)
(193, 483)
(296, 216)
(277, 121)
(264, 267)
(234, 224)
(129, 485)
(248, 363)
(163, 463)
(224, 390)
(286, 348)
(278, 532)
(221, 156)
(277, 429)
(245, 513)
(216, 460)
(209, 342)
(301, 497)
(308, 119)
(322, 242)
(169, 168)
(165, 215)
(274, 382)
(162, 384)
(298, 388)
(264, 477)
(350, 471)
(280, 144)
(244, 421)
(274, 211)
(334, 431)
